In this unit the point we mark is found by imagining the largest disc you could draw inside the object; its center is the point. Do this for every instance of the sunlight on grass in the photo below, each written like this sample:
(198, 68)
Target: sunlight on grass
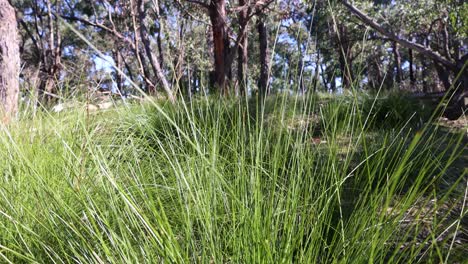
(252, 186)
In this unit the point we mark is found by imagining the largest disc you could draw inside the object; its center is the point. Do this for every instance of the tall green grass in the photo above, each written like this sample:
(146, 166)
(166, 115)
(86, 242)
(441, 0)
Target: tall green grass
(216, 181)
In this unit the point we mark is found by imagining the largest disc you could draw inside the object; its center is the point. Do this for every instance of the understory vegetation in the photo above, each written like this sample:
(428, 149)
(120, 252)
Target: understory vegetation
(303, 179)
(233, 131)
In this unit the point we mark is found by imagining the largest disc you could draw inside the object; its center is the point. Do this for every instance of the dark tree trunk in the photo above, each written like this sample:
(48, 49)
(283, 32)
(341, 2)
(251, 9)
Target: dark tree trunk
(128, 68)
(323, 74)
(51, 56)
(228, 65)
(345, 66)
(411, 68)
(144, 70)
(459, 103)
(119, 79)
(444, 76)
(242, 50)
(317, 71)
(345, 56)
(153, 60)
(264, 57)
(217, 14)
(332, 82)
(378, 76)
(9, 62)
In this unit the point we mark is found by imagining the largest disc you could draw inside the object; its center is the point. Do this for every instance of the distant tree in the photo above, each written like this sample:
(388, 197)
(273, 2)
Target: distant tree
(455, 62)
(9, 61)
(153, 60)
(216, 11)
(223, 32)
(242, 51)
(43, 41)
(262, 29)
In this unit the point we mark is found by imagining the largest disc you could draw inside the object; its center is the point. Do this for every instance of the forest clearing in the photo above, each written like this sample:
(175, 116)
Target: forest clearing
(222, 131)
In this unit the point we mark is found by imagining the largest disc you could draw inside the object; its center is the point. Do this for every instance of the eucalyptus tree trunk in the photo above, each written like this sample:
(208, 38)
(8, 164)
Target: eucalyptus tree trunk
(52, 55)
(317, 72)
(444, 76)
(159, 30)
(411, 68)
(139, 56)
(218, 18)
(9, 61)
(242, 51)
(119, 78)
(153, 60)
(264, 56)
(345, 55)
(179, 59)
(300, 69)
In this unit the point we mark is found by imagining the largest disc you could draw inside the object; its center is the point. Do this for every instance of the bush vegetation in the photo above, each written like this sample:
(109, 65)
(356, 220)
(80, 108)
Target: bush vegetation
(302, 179)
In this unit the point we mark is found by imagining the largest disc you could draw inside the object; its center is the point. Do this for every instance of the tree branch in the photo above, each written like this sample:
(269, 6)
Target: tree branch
(100, 26)
(255, 9)
(31, 36)
(405, 43)
(200, 3)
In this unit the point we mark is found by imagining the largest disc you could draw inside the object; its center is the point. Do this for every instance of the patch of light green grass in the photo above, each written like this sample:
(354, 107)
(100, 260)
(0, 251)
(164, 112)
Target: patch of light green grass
(232, 182)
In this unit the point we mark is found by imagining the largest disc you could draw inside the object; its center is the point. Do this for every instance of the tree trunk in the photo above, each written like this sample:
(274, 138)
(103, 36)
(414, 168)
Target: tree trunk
(119, 78)
(345, 66)
(397, 58)
(179, 59)
(242, 51)
(411, 68)
(52, 54)
(217, 14)
(142, 67)
(444, 76)
(153, 60)
(301, 68)
(228, 65)
(317, 71)
(332, 80)
(264, 57)
(425, 76)
(128, 68)
(9, 62)
(345, 56)
(49, 82)
(325, 81)
(159, 30)
(160, 48)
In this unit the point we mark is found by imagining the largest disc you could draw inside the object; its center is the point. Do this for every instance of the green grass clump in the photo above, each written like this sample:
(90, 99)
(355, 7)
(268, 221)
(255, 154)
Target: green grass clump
(217, 181)
(395, 109)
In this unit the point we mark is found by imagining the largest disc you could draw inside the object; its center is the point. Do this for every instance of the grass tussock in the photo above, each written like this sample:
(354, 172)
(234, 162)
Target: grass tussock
(304, 180)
